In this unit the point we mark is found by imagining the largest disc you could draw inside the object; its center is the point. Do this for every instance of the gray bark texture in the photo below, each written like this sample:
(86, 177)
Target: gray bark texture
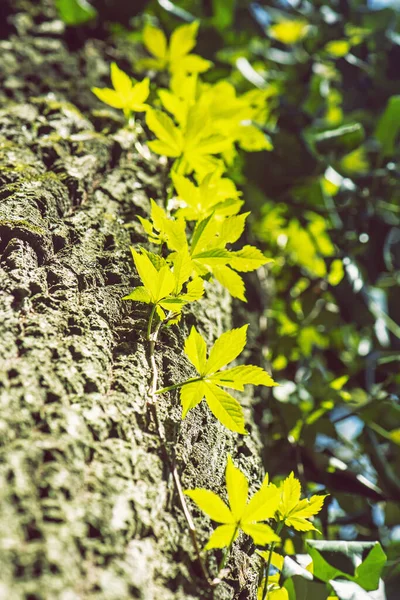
(88, 508)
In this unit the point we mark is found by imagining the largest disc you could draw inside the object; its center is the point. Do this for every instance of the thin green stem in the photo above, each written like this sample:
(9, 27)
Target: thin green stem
(150, 323)
(152, 338)
(177, 385)
(227, 551)
(271, 550)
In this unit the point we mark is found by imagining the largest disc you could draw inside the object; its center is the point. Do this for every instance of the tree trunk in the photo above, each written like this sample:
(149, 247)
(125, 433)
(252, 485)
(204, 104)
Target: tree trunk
(88, 508)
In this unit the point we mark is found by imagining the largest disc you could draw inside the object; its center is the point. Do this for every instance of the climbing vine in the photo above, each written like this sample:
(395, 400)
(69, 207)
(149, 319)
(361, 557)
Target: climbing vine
(196, 232)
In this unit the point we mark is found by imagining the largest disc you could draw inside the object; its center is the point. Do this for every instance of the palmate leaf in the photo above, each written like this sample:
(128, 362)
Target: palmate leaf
(227, 347)
(231, 281)
(241, 513)
(170, 138)
(176, 56)
(237, 377)
(194, 141)
(225, 408)
(196, 350)
(162, 286)
(163, 229)
(295, 512)
(208, 385)
(126, 95)
(209, 252)
(215, 194)
(155, 41)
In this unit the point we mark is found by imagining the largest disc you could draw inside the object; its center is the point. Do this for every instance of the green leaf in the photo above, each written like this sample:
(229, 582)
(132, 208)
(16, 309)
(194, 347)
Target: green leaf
(333, 559)
(227, 347)
(75, 12)
(370, 570)
(224, 12)
(388, 127)
(342, 139)
(196, 350)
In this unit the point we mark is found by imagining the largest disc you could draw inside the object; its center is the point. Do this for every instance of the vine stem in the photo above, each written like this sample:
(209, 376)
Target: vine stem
(227, 552)
(271, 550)
(177, 385)
(150, 323)
(152, 338)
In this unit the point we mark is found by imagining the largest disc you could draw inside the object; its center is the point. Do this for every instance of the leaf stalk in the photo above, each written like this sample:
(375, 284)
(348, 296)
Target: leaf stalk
(267, 568)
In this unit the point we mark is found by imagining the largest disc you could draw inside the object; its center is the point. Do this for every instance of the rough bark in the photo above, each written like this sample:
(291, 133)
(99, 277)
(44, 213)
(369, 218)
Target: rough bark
(87, 504)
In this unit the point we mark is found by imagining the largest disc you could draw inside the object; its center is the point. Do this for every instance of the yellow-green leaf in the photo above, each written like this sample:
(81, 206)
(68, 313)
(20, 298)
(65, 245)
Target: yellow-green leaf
(109, 97)
(227, 347)
(155, 41)
(222, 537)
(211, 505)
(191, 395)
(139, 294)
(238, 489)
(163, 127)
(165, 283)
(182, 268)
(263, 504)
(192, 63)
(237, 377)
(121, 81)
(248, 258)
(295, 512)
(304, 510)
(289, 31)
(262, 534)
(231, 280)
(195, 290)
(225, 408)
(182, 41)
(147, 273)
(196, 350)
(231, 229)
(290, 494)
